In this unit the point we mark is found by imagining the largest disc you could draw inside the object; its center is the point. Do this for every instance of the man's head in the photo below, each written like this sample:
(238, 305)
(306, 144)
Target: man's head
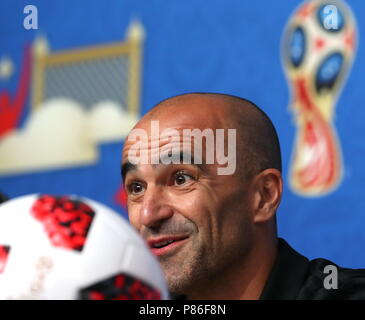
(215, 221)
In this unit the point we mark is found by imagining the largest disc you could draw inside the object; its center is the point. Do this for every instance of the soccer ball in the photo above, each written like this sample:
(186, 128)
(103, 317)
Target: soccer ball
(69, 247)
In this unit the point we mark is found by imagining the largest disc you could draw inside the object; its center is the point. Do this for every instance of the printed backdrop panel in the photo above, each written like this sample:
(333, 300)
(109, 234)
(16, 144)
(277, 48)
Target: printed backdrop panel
(303, 67)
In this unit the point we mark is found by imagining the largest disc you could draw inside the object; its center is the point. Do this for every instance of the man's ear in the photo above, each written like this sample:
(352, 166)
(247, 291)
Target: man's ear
(267, 190)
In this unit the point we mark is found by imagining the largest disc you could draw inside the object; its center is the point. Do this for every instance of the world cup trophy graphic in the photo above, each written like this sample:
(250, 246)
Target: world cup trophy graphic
(318, 47)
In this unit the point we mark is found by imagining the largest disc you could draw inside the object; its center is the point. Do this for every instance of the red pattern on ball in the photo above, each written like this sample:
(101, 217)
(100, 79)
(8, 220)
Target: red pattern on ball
(66, 221)
(4, 255)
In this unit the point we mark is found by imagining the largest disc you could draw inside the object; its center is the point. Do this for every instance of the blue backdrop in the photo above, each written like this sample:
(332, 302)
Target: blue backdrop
(230, 46)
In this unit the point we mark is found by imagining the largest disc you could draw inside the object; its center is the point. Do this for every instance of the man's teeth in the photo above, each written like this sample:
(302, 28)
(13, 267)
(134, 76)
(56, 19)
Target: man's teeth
(162, 244)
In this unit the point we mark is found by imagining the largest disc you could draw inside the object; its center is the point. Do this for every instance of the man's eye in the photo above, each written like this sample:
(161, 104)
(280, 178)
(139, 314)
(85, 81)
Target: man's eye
(135, 188)
(181, 178)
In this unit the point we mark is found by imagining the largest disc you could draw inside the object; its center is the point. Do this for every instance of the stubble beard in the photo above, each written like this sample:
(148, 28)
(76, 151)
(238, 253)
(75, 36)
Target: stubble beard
(193, 269)
(184, 270)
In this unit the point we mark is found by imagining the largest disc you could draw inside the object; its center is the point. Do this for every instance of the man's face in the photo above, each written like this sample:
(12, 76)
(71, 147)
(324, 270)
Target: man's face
(195, 221)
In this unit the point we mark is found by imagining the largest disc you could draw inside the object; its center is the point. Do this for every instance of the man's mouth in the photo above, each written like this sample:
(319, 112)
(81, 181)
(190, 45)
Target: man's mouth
(163, 245)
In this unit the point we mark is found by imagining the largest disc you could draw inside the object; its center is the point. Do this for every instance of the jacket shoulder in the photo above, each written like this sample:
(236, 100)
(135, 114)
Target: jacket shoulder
(328, 281)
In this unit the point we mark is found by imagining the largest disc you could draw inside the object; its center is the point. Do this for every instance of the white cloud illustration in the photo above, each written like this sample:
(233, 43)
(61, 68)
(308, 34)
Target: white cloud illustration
(108, 122)
(62, 133)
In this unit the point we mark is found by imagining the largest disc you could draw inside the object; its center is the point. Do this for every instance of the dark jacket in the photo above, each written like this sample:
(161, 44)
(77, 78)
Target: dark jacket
(294, 277)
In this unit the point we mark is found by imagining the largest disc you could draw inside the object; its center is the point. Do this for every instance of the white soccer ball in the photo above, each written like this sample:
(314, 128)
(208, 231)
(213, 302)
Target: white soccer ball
(73, 248)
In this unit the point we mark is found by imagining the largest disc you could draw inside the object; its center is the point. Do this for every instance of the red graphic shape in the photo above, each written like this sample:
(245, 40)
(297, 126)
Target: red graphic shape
(350, 39)
(66, 221)
(305, 10)
(11, 108)
(120, 287)
(319, 43)
(4, 255)
(121, 197)
(316, 143)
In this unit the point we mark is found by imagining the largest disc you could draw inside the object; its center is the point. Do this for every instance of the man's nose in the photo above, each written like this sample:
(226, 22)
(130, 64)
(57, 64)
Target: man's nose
(154, 208)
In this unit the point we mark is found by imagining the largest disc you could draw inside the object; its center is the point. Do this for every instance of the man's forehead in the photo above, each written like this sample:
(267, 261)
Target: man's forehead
(161, 138)
(187, 115)
(165, 125)
(185, 138)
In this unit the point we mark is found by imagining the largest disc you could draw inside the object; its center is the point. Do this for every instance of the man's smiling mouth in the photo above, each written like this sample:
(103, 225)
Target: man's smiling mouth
(163, 245)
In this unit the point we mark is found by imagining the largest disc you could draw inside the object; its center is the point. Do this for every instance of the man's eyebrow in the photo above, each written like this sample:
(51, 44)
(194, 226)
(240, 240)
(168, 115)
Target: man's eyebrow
(126, 167)
(181, 156)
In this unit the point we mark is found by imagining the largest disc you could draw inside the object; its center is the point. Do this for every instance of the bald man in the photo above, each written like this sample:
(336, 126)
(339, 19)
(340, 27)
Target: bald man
(203, 177)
